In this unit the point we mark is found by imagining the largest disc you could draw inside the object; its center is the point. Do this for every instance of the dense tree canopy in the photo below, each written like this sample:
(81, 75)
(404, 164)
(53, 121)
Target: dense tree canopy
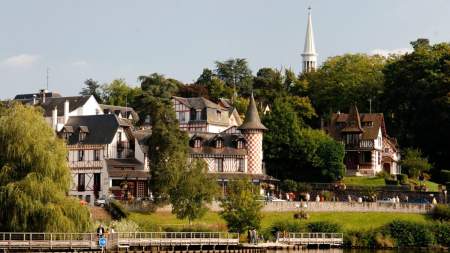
(417, 100)
(413, 164)
(347, 79)
(168, 147)
(92, 88)
(34, 176)
(193, 191)
(118, 92)
(236, 74)
(241, 208)
(294, 151)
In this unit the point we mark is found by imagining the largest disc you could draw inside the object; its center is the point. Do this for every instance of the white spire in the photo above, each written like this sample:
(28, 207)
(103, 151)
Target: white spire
(309, 53)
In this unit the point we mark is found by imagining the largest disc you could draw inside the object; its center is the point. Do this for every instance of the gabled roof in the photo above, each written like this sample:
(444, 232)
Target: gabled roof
(102, 128)
(125, 111)
(58, 102)
(199, 103)
(369, 124)
(252, 120)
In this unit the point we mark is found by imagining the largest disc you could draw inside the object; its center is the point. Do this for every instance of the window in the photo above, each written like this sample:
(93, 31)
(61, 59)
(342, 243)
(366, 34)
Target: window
(181, 117)
(88, 198)
(240, 144)
(241, 165)
(219, 164)
(97, 155)
(198, 115)
(81, 182)
(367, 124)
(219, 115)
(352, 139)
(116, 182)
(197, 143)
(80, 155)
(219, 143)
(379, 157)
(82, 136)
(97, 182)
(366, 157)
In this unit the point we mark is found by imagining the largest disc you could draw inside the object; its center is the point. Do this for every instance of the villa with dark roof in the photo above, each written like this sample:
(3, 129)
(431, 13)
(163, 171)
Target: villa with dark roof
(368, 148)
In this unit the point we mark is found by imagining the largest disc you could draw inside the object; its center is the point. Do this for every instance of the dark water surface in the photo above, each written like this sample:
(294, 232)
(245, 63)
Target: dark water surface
(355, 251)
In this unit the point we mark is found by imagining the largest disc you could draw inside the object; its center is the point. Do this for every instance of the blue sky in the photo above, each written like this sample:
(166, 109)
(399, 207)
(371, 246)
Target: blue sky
(108, 39)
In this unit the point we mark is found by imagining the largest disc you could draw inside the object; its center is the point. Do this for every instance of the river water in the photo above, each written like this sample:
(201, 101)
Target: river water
(354, 251)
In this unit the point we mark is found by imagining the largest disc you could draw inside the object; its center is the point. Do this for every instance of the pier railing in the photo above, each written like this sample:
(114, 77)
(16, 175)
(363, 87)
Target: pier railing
(114, 240)
(311, 238)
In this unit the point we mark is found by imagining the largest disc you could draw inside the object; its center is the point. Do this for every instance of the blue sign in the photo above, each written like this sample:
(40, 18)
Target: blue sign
(102, 242)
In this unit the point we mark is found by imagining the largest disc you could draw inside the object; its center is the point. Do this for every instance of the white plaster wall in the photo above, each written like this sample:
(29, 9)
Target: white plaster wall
(211, 128)
(112, 148)
(91, 107)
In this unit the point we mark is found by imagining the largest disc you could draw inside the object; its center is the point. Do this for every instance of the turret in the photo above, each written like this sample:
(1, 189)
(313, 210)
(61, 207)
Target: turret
(253, 130)
(309, 54)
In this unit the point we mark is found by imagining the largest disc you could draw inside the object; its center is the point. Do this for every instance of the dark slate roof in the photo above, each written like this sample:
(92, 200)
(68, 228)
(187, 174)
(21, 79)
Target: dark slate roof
(142, 137)
(252, 120)
(198, 103)
(30, 96)
(58, 102)
(125, 111)
(102, 128)
(209, 144)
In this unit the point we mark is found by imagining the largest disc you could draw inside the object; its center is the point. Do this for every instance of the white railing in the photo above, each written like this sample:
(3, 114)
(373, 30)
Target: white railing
(115, 240)
(311, 238)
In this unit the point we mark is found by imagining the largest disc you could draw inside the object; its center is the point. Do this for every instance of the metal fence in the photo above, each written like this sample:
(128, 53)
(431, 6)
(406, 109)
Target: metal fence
(311, 238)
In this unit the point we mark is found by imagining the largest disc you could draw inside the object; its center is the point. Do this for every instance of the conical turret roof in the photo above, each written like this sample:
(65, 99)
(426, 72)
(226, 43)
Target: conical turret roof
(310, 47)
(252, 120)
(353, 121)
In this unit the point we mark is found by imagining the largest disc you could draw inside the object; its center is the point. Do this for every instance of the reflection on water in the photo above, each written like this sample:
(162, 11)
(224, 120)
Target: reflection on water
(352, 251)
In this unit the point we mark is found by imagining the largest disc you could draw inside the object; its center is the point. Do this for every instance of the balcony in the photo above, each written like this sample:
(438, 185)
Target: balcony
(85, 164)
(360, 145)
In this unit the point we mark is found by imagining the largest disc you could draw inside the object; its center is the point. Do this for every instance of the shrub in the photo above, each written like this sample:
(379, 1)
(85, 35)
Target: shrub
(410, 234)
(359, 239)
(289, 185)
(288, 226)
(303, 215)
(124, 226)
(441, 212)
(445, 175)
(403, 179)
(384, 174)
(304, 187)
(390, 181)
(116, 210)
(441, 233)
(324, 227)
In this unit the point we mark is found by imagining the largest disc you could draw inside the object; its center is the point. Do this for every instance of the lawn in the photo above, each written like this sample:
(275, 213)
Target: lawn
(349, 221)
(379, 181)
(364, 181)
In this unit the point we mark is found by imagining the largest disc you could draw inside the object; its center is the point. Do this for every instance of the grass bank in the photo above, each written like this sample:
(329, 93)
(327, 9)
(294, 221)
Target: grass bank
(379, 181)
(348, 221)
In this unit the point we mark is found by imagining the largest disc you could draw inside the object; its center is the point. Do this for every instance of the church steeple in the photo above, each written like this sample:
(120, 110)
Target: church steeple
(309, 53)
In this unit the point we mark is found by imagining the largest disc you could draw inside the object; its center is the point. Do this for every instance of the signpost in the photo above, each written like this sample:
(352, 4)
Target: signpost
(102, 242)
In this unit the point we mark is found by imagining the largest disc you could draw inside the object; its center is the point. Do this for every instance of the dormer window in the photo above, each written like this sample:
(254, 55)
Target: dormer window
(197, 143)
(67, 132)
(240, 144)
(367, 124)
(219, 143)
(219, 115)
(83, 132)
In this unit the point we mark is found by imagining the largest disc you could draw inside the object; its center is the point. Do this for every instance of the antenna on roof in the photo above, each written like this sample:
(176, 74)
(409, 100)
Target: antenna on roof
(47, 76)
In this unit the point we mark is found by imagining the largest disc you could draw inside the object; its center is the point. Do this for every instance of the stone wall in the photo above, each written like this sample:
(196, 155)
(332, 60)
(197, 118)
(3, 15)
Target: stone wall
(328, 206)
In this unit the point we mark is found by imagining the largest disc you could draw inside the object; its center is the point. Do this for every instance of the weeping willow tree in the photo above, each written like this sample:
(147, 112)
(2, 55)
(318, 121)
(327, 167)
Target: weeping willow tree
(34, 176)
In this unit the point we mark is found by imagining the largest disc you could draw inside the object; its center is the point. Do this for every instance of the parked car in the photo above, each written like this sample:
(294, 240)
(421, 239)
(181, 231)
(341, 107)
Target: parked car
(100, 202)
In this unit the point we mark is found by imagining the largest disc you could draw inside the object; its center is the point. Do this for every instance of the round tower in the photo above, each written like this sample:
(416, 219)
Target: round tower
(253, 130)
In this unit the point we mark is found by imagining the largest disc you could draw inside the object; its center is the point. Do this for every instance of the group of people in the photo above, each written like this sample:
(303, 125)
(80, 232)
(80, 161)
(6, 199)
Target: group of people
(252, 236)
(102, 232)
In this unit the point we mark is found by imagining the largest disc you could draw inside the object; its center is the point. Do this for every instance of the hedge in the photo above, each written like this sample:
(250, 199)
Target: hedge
(445, 175)
(116, 210)
(441, 212)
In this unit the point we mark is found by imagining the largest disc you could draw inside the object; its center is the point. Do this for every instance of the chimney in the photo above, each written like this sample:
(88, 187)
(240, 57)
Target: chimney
(34, 99)
(55, 118)
(66, 111)
(42, 93)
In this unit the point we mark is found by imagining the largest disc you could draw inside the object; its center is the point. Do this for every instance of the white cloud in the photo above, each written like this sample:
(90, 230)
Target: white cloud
(80, 63)
(387, 52)
(21, 60)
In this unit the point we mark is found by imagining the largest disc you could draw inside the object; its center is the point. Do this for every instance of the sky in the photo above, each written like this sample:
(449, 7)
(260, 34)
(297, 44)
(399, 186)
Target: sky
(109, 39)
